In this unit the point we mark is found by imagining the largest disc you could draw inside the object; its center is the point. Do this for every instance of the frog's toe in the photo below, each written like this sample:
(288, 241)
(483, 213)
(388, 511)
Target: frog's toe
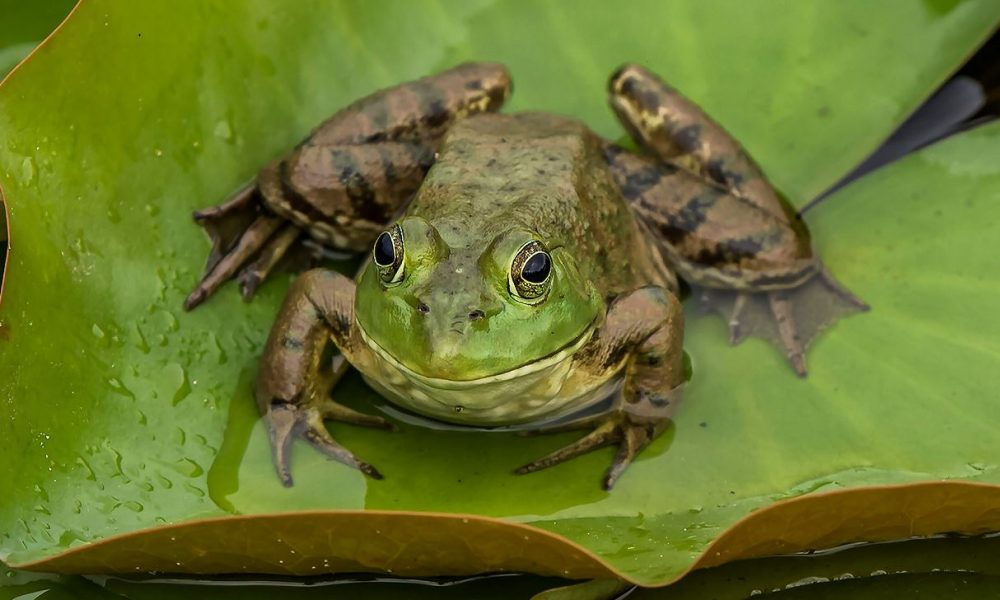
(267, 259)
(282, 421)
(634, 438)
(631, 438)
(252, 240)
(320, 438)
(604, 435)
(285, 421)
(338, 412)
(841, 292)
(788, 332)
(790, 318)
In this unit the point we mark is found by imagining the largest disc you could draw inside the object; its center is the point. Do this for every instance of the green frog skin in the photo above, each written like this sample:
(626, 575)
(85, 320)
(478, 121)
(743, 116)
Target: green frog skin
(519, 266)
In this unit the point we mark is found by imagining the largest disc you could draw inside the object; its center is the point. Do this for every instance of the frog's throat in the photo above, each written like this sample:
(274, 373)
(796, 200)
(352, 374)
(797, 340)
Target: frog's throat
(545, 362)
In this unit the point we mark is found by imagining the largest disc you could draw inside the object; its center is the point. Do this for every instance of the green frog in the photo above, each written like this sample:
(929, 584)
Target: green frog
(520, 268)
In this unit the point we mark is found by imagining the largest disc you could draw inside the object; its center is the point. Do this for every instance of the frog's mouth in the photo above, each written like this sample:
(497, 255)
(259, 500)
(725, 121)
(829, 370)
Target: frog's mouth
(546, 362)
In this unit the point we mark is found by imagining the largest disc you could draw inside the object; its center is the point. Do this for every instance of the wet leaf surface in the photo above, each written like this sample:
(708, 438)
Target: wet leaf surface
(121, 413)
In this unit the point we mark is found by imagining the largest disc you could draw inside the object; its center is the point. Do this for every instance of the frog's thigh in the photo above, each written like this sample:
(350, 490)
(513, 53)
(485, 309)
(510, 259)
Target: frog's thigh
(675, 129)
(709, 235)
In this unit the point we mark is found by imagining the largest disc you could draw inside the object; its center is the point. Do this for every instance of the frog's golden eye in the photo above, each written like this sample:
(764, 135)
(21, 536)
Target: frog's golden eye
(388, 255)
(530, 273)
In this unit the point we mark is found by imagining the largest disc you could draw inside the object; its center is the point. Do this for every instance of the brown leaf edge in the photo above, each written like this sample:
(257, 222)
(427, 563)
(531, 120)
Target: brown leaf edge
(440, 544)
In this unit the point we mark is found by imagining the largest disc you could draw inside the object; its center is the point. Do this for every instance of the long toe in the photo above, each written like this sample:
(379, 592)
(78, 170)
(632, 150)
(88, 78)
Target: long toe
(598, 438)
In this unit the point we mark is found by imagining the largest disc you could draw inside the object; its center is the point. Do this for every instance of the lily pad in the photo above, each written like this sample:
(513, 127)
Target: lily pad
(131, 437)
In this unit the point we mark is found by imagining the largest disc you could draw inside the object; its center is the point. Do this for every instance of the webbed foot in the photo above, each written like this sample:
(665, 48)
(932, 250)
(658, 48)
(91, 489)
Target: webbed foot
(630, 435)
(791, 319)
(285, 421)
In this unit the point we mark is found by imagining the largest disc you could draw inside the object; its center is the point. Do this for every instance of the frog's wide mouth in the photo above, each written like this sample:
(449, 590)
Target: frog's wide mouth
(441, 383)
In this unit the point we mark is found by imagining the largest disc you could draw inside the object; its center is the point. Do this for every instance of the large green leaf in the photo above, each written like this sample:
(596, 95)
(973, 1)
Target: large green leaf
(122, 413)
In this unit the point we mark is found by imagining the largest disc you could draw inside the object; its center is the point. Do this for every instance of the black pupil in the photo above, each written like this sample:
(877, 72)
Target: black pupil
(385, 251)
(536, 269)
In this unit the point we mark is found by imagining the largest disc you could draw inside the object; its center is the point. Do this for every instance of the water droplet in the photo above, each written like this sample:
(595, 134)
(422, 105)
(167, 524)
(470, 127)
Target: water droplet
(28, 171)
(119, 471)
(221, 356)
(86, 465)
(180, 378)
(141, 344)
(223, 131)
(120, 388)
(158, 152)
(188, 468)
(133, 506)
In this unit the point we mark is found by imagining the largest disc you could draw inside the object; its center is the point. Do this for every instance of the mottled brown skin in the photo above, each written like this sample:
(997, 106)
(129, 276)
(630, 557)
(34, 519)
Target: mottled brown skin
(726, 230)
(695, 204)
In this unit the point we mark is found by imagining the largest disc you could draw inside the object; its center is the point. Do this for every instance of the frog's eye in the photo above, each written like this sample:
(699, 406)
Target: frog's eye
(530, 273)
(388, 255)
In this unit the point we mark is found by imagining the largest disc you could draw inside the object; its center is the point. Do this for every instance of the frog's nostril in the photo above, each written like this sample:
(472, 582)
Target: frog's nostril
(476, 315)
(423, 308)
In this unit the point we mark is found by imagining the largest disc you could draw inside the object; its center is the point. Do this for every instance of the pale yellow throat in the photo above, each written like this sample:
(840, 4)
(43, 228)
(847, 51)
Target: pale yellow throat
(534, 391)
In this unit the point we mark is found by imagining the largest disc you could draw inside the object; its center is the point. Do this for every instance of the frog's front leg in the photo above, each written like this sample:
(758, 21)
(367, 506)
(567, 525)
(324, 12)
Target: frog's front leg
(721, 224)
(643, 331)
(294, 382)
(347, 180)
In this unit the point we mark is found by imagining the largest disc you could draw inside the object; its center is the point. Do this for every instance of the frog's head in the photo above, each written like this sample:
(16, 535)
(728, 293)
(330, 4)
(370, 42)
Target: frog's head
(465, 313)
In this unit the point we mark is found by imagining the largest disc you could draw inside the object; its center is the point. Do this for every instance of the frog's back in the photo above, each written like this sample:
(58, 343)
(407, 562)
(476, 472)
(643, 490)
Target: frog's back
(543, 173)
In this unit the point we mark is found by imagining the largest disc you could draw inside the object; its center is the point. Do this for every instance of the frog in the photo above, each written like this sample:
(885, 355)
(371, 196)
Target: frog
(518, 269)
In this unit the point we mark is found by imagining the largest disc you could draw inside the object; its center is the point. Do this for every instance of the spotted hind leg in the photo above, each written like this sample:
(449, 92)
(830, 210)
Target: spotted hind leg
(722, 226)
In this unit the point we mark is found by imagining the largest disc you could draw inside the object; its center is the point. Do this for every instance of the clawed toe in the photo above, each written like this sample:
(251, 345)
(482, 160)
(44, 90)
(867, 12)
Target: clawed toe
(788, 333)
(285, 421)
(603, 435)
(615, 429)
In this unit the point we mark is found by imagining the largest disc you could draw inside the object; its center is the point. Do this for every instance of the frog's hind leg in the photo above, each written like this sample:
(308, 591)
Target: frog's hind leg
(744, 251)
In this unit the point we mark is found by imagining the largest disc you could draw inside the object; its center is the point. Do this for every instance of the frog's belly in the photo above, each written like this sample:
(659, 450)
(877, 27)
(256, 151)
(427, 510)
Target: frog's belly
(543, 389)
